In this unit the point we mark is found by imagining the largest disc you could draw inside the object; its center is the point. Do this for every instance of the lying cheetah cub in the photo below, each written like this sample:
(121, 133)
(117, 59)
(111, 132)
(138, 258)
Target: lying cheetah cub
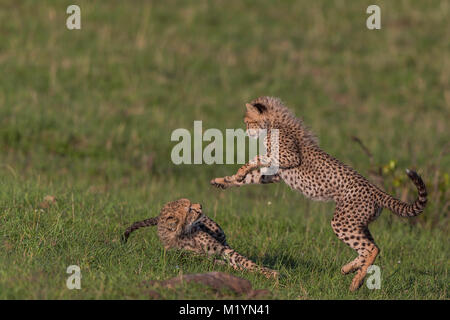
(182, 225)
(316, 174)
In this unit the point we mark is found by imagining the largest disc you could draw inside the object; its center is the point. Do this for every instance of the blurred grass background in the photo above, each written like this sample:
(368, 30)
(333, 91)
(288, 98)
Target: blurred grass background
(86, 116)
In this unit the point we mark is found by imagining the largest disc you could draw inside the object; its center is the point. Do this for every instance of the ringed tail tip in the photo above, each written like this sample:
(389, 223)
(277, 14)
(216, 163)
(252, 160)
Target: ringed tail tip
(413, 175)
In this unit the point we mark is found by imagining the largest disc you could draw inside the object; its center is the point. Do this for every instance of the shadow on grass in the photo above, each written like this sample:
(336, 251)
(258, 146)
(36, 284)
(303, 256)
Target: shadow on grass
(286, 261)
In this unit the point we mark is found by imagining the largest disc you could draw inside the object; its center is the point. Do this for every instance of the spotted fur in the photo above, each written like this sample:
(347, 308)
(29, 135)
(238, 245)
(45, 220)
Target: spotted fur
(182, 225)
(319, 176)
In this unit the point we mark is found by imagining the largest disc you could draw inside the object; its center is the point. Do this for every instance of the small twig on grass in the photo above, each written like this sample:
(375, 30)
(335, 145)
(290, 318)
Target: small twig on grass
(375, 170)
(365, 149)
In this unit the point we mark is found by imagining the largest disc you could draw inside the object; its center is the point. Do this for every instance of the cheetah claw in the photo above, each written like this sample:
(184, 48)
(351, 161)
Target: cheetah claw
(219, 183)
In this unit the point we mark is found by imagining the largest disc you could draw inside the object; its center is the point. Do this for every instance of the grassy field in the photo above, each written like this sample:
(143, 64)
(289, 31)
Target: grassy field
(86, 116)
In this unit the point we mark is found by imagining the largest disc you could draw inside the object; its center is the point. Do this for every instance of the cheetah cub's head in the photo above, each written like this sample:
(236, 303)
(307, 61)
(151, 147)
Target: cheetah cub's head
(261, 114)
(265, 113)
(180, 215)
(255, 119)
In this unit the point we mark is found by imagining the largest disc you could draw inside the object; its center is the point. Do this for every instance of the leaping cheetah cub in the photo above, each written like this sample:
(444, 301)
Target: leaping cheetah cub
(182, 225)
(319, 176)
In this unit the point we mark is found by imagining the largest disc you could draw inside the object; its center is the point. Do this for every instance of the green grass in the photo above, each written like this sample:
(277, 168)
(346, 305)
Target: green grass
(87, 115)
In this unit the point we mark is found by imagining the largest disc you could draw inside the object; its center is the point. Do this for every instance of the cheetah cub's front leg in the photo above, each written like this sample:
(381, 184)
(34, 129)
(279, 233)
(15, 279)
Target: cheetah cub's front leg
(254, 177)
(249, 173)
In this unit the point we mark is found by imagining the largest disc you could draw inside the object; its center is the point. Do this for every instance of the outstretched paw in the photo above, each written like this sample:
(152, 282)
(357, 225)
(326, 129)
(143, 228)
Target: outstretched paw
(219, 262)
(222, 183)
(269, 273)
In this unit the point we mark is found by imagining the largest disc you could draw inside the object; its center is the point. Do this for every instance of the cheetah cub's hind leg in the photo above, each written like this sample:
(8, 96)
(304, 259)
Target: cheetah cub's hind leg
(351, 226)
(239, 262)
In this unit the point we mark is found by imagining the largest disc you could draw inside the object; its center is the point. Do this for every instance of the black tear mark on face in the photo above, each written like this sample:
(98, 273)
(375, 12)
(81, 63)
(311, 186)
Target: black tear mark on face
(261, 108)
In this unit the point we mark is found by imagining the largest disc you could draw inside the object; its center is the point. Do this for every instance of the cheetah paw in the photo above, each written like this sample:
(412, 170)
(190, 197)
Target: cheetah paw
(222, 183)
(357, 281)
(270, 274)
(349, 268)
(219, 262)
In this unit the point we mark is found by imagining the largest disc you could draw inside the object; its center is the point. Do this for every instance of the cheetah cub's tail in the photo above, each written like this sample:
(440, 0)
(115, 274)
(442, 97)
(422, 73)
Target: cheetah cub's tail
(137, 225)
(405, 209)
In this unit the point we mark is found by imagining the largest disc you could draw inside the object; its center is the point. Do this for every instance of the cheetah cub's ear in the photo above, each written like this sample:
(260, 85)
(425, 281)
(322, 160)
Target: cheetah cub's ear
(257, 108)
